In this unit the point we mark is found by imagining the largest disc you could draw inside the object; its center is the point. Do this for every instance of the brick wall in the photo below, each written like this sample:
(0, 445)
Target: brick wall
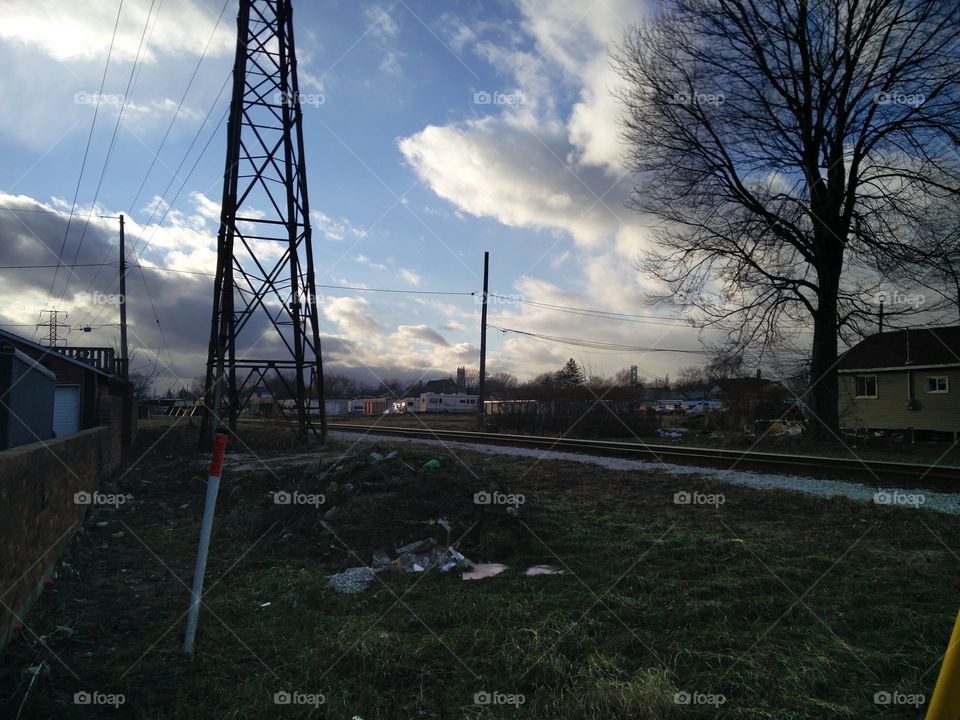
(37, 485)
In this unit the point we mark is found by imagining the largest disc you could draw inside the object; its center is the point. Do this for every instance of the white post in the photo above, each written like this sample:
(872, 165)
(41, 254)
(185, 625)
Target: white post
(206, 529)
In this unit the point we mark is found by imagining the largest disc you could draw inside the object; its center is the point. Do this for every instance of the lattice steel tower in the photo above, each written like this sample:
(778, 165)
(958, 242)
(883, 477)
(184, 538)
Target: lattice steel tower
(263, 333)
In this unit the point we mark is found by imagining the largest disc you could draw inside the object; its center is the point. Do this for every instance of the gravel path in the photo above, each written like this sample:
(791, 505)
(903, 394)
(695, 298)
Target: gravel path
(948, 503)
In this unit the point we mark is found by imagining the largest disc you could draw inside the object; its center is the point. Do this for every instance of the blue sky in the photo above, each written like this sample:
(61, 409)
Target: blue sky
(433, 132)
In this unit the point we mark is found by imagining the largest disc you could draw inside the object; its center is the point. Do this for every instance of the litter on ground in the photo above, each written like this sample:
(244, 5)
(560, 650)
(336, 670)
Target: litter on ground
(484, 570)
(543, 570)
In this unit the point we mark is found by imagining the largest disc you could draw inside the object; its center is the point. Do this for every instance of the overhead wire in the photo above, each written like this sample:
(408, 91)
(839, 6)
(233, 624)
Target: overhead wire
(186, 154)
(168, 205)
(86, 150)
(596, 344)
(113, 139)
(183, 97)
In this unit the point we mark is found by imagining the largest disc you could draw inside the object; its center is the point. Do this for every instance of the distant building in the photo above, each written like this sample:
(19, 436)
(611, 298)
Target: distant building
(902, 380)
(753, 398)
(446, 386)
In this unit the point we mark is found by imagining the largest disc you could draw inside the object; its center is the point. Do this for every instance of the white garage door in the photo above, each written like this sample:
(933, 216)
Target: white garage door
(66, 410)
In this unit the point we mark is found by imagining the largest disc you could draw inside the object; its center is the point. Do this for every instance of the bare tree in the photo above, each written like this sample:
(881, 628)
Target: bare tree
(788, 151)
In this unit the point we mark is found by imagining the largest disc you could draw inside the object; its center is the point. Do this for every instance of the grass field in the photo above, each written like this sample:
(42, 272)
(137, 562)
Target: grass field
(767, 605)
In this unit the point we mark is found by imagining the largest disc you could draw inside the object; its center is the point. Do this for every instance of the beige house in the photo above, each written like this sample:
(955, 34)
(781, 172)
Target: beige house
(903, 380)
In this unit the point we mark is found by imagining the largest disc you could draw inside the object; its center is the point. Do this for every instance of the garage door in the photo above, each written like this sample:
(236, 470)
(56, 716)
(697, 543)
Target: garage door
(66, 410)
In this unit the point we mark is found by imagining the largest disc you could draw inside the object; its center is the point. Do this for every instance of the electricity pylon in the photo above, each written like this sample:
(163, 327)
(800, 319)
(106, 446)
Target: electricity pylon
(263, 332)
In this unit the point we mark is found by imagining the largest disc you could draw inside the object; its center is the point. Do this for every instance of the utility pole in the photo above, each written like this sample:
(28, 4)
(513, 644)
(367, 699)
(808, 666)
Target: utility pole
(124, 357)
(881, 316)
(53, 323)
(481, 387)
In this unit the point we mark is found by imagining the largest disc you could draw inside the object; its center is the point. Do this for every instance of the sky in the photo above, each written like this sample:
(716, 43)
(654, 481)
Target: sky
(433, 132)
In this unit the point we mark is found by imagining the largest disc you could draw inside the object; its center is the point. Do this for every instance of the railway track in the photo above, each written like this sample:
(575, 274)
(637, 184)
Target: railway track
(875, 472)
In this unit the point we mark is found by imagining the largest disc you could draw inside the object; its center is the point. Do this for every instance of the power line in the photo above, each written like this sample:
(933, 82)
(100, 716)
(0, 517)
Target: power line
(596, 344)
(591, 312)
(113, 140)
(51, 267)
(86, 149)
(163, 142)
(384, 290)
(183, 97)
(204, 273)
(45, 211)
(169, 205)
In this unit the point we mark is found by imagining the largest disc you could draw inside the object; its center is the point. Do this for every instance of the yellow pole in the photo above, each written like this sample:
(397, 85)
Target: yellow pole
(945, 703)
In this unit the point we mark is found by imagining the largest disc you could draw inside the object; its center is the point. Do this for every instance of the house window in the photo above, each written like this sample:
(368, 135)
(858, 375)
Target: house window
(938, 384)
(865, 386)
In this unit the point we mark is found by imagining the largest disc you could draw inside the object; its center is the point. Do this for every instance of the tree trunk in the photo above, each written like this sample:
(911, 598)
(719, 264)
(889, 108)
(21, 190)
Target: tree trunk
(825, 417)
(824, 420)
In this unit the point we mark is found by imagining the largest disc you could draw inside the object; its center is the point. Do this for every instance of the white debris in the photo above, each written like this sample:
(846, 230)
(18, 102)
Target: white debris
(352, 580)
(543, 570)
(483, 570)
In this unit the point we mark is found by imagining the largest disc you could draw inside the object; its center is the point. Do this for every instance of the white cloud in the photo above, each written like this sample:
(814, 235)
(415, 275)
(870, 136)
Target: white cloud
(381, 23)
(421, 333)
(411, 276)
(336, 229)
(390, 64)
(354, 317)
(68, 31)
(521, 176)
(364, 260)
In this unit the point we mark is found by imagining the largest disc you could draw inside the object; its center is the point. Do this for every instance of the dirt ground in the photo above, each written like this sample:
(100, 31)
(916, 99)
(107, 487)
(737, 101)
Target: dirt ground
(739, 604)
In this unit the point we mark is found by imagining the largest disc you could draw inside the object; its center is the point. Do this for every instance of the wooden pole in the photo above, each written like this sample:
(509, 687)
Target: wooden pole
(481, 387)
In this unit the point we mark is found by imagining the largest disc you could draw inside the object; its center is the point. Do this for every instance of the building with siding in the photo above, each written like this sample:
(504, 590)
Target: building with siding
(26, 398)
(903, 380)
(88, 391)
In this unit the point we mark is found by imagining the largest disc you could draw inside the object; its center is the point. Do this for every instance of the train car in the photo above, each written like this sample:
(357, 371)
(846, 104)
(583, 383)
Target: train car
(447, 403)
(402, 407)
(374, 406)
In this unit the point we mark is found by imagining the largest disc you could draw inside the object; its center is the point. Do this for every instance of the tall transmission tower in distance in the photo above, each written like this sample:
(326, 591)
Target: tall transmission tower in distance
(53, 325)
(263, 332)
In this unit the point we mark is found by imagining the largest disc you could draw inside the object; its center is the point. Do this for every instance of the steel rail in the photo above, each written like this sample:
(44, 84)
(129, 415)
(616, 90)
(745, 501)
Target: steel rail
(860, 470)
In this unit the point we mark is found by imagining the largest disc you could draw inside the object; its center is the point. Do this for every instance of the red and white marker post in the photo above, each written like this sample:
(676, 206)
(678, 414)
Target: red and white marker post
(206, 530)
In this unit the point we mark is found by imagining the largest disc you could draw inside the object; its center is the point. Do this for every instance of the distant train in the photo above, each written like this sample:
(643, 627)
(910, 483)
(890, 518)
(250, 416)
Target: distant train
(434, 403)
